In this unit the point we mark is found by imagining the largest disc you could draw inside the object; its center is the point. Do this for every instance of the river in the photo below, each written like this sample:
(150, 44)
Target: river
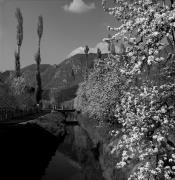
(29, 152)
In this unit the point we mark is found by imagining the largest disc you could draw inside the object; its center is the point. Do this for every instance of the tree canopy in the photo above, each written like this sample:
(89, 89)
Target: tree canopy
(136, 88)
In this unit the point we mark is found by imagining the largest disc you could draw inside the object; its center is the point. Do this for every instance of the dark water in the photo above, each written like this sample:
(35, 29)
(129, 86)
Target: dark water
(29, 152)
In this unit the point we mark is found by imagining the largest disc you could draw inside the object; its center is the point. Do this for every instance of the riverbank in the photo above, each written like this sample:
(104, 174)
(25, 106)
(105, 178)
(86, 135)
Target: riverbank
(92, 142)
(76, 146)
(52, 122)
(102, 144)
(24, 118)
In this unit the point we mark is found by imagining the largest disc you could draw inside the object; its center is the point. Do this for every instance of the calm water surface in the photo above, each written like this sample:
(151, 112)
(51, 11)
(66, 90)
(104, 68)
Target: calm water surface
(29, 152)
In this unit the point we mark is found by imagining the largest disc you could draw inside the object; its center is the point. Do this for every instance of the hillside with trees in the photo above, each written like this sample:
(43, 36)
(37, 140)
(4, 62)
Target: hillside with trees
(68, 74)
(7, 100)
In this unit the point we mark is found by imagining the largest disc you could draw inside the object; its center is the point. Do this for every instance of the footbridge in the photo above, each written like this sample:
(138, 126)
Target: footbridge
(70, 115)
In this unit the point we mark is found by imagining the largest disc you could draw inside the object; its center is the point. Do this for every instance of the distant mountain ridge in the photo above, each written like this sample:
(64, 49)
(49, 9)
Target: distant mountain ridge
(64, 76)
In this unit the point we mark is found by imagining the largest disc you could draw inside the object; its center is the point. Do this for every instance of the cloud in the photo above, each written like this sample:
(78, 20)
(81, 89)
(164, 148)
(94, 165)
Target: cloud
(79, 6)
(79, 50)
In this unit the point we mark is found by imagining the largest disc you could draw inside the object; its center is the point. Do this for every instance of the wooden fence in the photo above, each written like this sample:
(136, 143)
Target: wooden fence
(9, 114)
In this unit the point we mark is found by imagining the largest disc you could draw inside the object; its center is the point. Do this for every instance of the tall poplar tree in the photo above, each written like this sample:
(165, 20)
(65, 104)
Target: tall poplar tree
(38, 61)
(19, 38)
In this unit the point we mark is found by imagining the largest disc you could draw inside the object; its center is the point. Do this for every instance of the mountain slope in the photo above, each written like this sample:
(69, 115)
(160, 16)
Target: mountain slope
(62, 77)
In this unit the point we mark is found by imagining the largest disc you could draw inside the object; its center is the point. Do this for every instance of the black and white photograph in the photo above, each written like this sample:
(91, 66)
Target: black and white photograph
(87, 89)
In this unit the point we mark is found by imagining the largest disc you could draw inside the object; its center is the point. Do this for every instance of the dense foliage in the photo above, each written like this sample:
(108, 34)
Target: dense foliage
(136, 88)
(22, 93)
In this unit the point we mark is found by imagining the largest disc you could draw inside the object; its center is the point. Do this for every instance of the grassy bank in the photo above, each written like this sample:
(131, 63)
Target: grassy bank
(52, 122)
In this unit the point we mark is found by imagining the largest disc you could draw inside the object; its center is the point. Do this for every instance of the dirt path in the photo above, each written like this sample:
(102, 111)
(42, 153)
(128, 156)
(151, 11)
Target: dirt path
(24, 119)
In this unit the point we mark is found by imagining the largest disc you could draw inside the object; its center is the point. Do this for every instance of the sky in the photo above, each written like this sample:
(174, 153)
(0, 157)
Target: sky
(69, 25)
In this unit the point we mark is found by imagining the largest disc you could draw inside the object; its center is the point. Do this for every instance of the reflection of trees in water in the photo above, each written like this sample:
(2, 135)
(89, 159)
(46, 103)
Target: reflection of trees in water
(26, 152)
(82, 151)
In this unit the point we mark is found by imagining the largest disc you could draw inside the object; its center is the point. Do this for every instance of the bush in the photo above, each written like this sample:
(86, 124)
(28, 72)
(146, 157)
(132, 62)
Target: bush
(23, 94)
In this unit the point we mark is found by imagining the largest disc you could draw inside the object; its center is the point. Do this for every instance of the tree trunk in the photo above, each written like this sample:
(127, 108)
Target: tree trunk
(17, 62)
(86, 67)
(170, 43)
(172, 1)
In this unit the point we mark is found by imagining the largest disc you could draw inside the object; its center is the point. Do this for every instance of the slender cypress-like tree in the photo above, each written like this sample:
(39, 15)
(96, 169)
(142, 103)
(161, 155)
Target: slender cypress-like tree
(73, 74)
(112, 48)
(19, 38)
(86, 51)
(109, 43)
(99, 54)
(38, 61)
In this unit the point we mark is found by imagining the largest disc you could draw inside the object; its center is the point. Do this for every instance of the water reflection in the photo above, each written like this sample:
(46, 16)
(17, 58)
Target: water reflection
(63, 168)
(74, 159)
(30, 153)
